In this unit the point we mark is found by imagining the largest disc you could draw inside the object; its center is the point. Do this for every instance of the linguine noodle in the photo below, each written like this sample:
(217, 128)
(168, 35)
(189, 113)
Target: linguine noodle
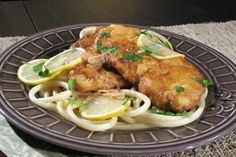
(49, 96)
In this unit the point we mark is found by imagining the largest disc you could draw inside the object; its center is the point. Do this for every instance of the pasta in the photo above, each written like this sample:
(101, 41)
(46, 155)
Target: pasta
(136, 117)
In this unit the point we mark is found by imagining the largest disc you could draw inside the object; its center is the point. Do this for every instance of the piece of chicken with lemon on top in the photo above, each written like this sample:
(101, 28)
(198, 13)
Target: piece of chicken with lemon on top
(157, 71)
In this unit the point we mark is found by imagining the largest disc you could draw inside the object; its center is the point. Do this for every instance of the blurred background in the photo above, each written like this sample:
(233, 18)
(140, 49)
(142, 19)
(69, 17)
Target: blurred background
(24, 17)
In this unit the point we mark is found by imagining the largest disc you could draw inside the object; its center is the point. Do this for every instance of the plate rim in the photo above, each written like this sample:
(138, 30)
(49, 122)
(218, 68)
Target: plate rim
(15, 120)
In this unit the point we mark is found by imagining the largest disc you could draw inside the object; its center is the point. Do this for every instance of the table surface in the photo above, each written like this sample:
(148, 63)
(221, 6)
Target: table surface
(25, 17)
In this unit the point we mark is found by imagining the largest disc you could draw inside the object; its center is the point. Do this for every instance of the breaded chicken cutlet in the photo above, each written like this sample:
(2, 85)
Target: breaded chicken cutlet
(157, 79)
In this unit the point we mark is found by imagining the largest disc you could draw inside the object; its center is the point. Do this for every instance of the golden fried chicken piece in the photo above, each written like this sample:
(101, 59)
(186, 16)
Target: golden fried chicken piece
(91, 78)
(155, 78)
(163, 85)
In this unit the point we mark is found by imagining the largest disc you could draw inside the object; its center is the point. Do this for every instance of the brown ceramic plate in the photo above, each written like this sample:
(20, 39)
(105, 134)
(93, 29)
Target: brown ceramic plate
(219, 116)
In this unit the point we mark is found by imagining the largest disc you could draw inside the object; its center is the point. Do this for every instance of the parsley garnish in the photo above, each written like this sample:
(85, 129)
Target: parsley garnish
(147, 49)
(132, 57)
(144, 50)
(37, 68)
(102, 49)
(166, 44)
(155, 110)
(179, 89)
(204, 82)
(207, 82)
(44, 73)
(197, 79)
(78, 102)
(168, 113)
(105, 34)
(112, 49)
(71, 84)
(72, 101)
(128, 100)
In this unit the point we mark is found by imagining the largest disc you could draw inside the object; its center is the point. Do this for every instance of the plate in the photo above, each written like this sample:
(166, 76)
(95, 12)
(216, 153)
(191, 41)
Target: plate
(219, 116)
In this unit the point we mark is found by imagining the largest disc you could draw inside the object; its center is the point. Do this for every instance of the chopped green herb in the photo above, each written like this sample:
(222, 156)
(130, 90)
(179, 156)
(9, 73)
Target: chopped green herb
(105, 34)
(77, 101)
(204, 82)
(155, 110)
(179, 89)
(102, 49)
(167, 45)
(72, 101)
(37, 68)
(113, 49)
(44, 73)
(169, 113)
(197, 79)
(71, 84)
(132, 57)
(127, 100)
(147, 49)
(144, 51)
(23, 62)
(207, 82)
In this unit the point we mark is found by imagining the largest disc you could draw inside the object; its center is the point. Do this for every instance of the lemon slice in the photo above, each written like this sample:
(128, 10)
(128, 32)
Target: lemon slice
(156, 49)
(104, 107)
(27, 75)
(159, 38)
(87, 31)
(64, 60)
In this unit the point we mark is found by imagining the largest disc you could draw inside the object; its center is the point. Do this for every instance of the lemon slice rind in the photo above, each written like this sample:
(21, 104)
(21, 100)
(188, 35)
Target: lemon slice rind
(87, 31)
(103, 107)
(157, 50)
(26, 74)
(64, 60)
(160, 38)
